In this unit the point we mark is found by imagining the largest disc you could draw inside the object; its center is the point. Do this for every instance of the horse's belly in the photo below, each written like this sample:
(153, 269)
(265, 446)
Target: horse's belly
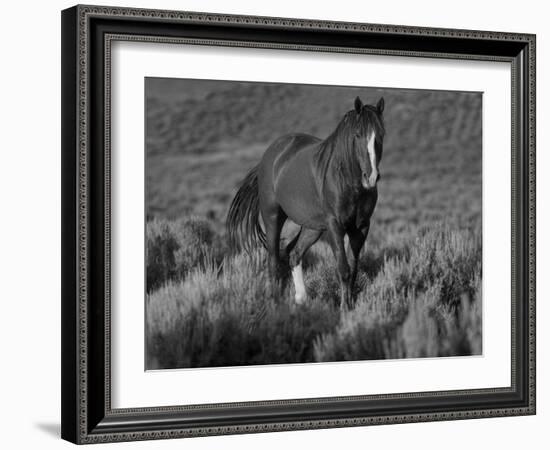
(296, 193)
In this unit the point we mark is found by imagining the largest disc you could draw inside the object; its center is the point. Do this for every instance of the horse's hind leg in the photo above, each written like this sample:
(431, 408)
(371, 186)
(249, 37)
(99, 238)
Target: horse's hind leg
(273, 222)
(306, 239)
(286, 250)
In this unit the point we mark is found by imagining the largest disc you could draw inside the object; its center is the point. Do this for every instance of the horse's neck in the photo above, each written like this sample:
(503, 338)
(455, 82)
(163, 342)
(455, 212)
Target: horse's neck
(344, 159)
(337, 161)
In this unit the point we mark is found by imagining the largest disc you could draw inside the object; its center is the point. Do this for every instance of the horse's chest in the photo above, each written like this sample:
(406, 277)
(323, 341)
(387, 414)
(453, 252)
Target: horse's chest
(355, 209)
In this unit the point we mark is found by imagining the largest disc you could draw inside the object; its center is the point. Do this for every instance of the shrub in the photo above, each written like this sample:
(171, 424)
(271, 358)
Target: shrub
(424, 302)
(231, 319)
(174, 248)
(420, 298)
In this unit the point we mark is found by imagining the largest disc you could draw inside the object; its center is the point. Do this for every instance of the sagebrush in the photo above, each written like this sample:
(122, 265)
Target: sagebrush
(419, 300)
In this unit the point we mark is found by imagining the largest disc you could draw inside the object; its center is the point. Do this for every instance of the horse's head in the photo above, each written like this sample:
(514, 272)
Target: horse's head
(368, 140)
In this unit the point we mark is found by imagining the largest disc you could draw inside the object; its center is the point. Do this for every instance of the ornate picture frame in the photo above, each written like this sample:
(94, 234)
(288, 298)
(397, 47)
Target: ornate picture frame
(88, 33)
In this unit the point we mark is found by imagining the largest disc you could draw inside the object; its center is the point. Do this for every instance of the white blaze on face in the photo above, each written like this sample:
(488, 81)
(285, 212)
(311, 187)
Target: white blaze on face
(300, 289)
(372, 157)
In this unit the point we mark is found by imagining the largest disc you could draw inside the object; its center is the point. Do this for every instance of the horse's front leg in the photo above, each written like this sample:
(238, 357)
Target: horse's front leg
(357, 239)
(336, 232)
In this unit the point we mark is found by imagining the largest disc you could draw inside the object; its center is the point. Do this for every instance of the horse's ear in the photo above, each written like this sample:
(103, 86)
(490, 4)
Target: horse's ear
(380, 105)
(358, 105)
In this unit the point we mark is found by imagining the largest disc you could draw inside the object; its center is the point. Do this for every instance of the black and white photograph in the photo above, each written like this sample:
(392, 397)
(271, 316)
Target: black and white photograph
(296, 223)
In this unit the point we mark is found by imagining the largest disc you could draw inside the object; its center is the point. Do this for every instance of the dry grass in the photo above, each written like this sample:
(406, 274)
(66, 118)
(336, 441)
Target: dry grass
(423, 300)
(175, 248)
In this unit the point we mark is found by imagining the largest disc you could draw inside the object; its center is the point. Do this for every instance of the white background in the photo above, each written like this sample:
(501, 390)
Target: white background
(132, 387)
(30, 229)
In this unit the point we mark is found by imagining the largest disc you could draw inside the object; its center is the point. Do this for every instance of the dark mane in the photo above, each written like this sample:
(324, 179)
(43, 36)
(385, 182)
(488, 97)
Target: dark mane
(337, 150)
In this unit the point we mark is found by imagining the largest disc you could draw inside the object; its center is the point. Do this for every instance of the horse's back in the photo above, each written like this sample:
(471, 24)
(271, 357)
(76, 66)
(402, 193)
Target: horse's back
(288, 145)
(281, 151)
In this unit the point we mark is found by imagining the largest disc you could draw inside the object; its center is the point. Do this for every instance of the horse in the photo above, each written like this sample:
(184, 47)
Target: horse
(324, 186)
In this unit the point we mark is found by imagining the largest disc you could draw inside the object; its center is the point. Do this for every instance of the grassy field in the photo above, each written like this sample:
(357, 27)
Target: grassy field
(419, 288)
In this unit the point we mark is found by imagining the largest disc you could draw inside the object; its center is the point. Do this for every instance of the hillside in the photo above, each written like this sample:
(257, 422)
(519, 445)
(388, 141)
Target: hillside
(204, 138)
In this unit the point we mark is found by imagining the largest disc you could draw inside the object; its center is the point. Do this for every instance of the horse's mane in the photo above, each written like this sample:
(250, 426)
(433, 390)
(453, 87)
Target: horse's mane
(337, 150)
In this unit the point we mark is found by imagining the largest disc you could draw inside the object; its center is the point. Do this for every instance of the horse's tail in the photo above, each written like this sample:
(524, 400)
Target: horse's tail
(243, 219)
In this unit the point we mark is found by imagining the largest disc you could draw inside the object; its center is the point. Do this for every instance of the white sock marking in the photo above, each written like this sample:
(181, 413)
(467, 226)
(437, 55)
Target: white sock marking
(299, 286)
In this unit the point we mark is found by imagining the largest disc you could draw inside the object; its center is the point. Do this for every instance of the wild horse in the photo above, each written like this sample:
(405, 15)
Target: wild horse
(323, 186)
